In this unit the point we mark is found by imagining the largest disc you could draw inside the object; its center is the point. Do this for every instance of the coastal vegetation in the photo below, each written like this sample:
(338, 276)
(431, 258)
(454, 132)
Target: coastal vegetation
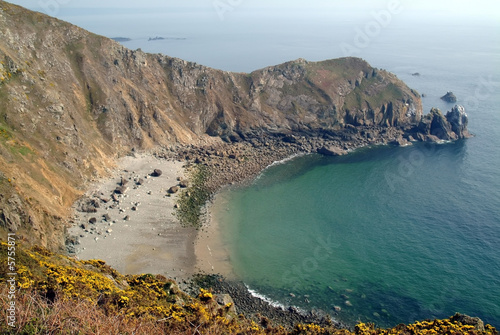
(60, 295)
(192, 200)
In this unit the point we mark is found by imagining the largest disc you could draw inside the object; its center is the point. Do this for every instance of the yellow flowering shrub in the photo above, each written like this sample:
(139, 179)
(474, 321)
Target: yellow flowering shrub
(139, 300)
(205, 295)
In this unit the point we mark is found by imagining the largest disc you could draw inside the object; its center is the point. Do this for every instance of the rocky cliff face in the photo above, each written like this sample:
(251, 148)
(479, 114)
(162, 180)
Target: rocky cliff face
(72, 101)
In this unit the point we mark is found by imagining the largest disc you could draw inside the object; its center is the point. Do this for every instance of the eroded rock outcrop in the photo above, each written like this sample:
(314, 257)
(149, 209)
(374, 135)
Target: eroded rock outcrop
(449, 97)
(435, 126)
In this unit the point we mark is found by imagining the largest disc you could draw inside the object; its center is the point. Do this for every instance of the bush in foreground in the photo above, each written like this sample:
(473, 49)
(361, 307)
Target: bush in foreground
(60, 295)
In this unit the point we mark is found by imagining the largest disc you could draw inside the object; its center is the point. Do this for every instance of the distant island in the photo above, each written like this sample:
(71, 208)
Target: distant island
(159, 38)
(121, 39)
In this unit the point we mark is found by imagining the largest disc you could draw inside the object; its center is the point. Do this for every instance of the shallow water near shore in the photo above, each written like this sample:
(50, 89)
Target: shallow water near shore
(374, 233)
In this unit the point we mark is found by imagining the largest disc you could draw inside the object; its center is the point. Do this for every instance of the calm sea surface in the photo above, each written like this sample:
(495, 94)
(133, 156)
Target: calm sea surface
(387, 234)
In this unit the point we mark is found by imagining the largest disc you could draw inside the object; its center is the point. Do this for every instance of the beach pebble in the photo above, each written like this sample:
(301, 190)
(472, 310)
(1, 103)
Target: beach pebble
(109, 231)
(173, 189)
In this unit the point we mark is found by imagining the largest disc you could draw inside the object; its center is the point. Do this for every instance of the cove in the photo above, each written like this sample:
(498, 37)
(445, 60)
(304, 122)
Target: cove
(385, 234)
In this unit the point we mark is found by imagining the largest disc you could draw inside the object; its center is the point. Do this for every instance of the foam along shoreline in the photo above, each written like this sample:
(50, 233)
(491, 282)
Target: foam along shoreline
(136, 232)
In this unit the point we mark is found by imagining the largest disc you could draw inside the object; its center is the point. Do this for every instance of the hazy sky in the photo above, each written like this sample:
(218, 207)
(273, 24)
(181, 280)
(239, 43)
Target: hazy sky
(471, 8)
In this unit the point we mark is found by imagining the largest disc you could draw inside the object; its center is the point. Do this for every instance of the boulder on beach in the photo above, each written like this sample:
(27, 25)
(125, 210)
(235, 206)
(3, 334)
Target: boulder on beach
(156, 173)
(401, 141)
(89, 206)
(183, 183)
(331, 151)
(121, 190)
(173, 189)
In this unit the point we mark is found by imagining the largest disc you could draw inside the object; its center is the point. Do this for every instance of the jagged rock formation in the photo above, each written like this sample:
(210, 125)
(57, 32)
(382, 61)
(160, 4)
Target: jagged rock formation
(72, 101)
(449, 97)
(435, 126)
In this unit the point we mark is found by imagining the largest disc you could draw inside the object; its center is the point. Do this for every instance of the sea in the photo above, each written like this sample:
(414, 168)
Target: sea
(385, 234)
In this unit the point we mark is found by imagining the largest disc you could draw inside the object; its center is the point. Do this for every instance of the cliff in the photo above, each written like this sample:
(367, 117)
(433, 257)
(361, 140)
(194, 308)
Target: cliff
(71, 102)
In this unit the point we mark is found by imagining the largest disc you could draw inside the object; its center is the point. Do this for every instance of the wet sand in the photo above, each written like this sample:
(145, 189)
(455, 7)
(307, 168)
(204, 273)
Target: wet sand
(212, 252)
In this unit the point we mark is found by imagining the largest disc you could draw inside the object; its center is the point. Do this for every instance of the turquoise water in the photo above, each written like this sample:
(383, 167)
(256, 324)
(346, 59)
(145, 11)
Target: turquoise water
(400, 233)
(387, 234)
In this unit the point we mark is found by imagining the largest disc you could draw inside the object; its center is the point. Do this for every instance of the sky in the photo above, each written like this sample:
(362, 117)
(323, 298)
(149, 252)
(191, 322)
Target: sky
(274, 31)
(454, 8)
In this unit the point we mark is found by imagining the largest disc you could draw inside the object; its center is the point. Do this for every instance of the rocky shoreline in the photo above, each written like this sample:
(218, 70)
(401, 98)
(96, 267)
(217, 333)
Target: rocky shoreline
(243, 157)
(257, 309)
(238, 162)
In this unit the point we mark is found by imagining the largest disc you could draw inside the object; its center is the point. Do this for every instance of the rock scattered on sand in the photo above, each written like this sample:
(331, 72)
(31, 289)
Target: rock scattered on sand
(123, 182)
(173, 189)
(156, 173)
(93, 220)
(121, 190)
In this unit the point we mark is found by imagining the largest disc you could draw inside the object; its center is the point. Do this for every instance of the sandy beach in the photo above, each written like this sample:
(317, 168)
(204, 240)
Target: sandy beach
(137, 232)
(212, 253)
